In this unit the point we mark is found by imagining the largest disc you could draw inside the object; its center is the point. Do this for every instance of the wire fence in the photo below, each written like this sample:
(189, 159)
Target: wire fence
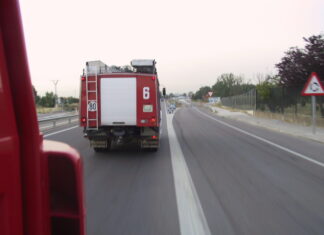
(283, 103)
(244, 101)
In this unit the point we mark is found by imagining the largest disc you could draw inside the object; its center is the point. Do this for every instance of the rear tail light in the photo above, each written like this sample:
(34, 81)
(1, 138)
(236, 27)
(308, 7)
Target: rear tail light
(153, 120)
(83, 120)
(83, 79)
(154, 137)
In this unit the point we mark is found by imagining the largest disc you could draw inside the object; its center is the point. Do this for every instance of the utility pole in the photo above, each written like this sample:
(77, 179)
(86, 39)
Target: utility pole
(55, 86)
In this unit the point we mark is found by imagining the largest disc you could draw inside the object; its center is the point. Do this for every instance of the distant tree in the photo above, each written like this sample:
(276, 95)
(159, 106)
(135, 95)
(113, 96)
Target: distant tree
(36, 97)
(171, 95)
(72, 100)
(265, 89)
(63, 100)
(34, 91)
(48, 100)
(127, 69)
(115, 68)
(200, 94)
(229, 85)
(298, 63)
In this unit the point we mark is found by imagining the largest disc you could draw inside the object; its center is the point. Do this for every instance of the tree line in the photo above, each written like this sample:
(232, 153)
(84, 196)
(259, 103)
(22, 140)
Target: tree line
(226, 85)
(48, 100)
(293, 71)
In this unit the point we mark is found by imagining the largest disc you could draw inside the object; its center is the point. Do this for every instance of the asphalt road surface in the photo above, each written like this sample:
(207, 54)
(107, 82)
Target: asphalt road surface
(210, 176)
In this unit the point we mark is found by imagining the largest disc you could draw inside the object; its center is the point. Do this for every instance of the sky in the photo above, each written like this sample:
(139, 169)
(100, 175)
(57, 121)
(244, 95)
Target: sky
(193, 42)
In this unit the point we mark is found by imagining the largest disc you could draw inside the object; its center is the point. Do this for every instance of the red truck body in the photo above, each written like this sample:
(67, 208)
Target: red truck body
(34, 197)
(142, 81)
(133, 113)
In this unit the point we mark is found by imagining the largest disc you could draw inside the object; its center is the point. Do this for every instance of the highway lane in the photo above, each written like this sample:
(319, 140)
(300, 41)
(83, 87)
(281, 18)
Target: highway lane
(127, 192)
(247, 186)
(244, 185)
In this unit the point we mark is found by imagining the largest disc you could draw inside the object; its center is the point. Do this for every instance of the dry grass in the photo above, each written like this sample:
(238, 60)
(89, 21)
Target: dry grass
(291, 118)
(47, 110)
(67, 108)
(231, 109)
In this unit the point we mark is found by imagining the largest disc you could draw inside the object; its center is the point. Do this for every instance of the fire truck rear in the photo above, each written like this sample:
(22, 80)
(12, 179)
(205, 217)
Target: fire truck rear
(118, 107)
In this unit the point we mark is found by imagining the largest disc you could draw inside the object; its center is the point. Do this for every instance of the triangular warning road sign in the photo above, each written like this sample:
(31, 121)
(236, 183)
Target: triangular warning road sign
(210, 93)
(313, 86)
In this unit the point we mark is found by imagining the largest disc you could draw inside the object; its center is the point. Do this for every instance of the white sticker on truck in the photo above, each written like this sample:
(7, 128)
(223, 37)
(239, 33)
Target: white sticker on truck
(92, 106)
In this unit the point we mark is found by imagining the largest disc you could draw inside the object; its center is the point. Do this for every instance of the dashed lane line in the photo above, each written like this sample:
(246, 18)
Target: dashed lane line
(57, 132)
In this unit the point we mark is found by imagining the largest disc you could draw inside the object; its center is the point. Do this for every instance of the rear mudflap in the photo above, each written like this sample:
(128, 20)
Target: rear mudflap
(150, 143)
(98, 139)
(99, 143)
(150, 137)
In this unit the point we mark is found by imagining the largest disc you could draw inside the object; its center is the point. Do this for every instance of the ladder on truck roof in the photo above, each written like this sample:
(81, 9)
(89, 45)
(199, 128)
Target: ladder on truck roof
(92, 104)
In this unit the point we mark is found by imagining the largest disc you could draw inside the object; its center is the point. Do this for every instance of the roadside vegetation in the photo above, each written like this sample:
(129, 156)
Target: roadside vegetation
(279, 93)
(46, 103)
(226, 85)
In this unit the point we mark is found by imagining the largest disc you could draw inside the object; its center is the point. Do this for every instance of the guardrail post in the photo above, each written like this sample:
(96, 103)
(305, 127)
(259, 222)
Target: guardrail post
(55, 120)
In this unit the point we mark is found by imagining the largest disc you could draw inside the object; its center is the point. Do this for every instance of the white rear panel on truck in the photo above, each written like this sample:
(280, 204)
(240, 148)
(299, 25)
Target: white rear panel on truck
(118, 101)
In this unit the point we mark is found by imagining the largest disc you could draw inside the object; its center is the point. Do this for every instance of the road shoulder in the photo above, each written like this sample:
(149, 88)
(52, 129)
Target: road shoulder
(271, 124)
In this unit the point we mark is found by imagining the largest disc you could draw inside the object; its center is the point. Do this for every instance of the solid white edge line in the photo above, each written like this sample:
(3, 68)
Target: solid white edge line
(263, 140)
(191, 216)
(161, 122)
(57, 132)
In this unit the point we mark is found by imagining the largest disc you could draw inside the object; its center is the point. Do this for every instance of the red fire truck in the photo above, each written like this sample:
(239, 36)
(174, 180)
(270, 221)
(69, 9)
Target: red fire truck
(118, 107)
(40, 181)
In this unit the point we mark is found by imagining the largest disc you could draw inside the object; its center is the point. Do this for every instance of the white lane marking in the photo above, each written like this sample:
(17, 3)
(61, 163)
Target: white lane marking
(161, 121)
(264, 140)
(191, 216)
(54, 133)
(58, 124)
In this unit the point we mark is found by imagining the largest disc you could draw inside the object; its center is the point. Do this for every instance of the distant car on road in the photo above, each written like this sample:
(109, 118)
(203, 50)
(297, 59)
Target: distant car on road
(171, 108)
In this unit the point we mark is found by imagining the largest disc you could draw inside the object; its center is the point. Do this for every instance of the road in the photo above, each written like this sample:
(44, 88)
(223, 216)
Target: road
(210, 176)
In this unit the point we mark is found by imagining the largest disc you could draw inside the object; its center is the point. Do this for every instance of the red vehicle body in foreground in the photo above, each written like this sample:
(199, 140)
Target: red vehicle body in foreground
(40, 181)
(120, 107)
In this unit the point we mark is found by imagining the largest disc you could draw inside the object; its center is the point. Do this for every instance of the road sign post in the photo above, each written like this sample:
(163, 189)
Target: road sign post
(314, 114)
(313, 87)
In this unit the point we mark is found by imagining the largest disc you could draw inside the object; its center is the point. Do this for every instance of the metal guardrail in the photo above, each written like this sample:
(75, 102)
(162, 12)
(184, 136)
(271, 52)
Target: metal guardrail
(57, 120)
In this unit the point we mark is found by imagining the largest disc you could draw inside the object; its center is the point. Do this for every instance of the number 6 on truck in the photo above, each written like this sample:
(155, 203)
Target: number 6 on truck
(146, 93)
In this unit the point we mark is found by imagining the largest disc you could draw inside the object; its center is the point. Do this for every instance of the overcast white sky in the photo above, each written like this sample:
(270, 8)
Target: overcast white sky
(193, 41)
